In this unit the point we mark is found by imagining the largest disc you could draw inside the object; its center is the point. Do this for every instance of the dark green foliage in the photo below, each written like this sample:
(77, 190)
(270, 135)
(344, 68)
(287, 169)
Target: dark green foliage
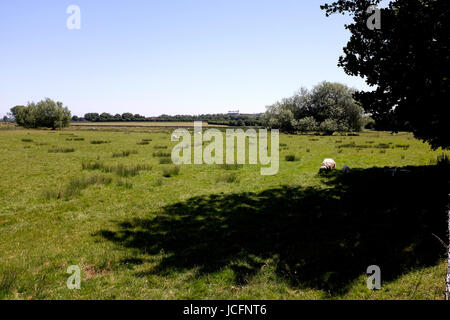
(212, 119)
(406, 63)
(45, 113)
(99, 142)
(328, 108)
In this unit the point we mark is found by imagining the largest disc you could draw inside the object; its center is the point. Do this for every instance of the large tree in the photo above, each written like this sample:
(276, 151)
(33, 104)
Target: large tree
(406, 60)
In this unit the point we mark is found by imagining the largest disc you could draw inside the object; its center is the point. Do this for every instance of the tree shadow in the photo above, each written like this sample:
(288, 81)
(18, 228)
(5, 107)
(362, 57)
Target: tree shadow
(319, 238)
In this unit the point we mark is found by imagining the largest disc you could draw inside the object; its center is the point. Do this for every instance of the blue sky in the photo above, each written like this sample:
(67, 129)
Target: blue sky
(167, 56)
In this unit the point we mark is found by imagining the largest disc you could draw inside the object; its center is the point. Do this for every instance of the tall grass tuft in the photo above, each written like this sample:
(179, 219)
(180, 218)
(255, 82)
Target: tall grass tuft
(124, 183)
(119, 169)
(234, 166)
(291, 158)
(124, 171)
(92, 165)
(161, 154)
(99, 142)
(443, 161)
(165, 160)
(228, 178)
(75, 186)
(61, 150)
(172, 171)
(7, 280)
(124, 153)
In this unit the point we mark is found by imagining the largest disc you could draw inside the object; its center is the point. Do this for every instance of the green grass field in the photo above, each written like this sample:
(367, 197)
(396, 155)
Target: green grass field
(139, 228)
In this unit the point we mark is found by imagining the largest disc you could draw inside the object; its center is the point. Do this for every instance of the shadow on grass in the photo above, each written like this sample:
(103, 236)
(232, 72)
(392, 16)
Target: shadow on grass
(319, 238)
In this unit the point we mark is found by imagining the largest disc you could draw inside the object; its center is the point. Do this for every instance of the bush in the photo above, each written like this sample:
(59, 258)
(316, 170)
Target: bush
(329, 107)
(329, 126)
(45, 113)
(307, 124)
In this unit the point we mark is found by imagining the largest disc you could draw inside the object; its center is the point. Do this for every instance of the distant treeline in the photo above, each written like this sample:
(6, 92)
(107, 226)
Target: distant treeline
(214, 119)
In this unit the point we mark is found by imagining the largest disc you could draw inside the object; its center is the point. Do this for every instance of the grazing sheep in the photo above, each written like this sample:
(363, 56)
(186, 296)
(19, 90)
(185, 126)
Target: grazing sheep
(346, 169)
(328, 165)
(175, 138)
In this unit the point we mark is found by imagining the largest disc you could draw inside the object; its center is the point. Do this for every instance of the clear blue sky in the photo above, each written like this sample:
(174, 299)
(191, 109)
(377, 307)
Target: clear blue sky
(167, 56)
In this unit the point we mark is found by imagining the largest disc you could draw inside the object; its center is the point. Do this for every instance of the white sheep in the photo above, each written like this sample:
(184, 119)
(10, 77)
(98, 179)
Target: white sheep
(328, 165)
(175, 138)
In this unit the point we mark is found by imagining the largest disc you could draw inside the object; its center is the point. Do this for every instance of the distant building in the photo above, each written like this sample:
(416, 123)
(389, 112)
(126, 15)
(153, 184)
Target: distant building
(234, 113)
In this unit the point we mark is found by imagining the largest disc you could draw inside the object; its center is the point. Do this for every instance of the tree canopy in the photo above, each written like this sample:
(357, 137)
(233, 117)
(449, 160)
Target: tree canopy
(45, 113)
(328, 107)
(407, 61)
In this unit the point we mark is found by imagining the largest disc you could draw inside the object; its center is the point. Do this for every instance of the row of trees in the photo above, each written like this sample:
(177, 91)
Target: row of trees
(327, 108)
(218, 119)
(43, 114)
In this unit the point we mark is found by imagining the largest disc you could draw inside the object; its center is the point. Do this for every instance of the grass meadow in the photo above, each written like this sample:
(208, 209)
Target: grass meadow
(110, 201)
